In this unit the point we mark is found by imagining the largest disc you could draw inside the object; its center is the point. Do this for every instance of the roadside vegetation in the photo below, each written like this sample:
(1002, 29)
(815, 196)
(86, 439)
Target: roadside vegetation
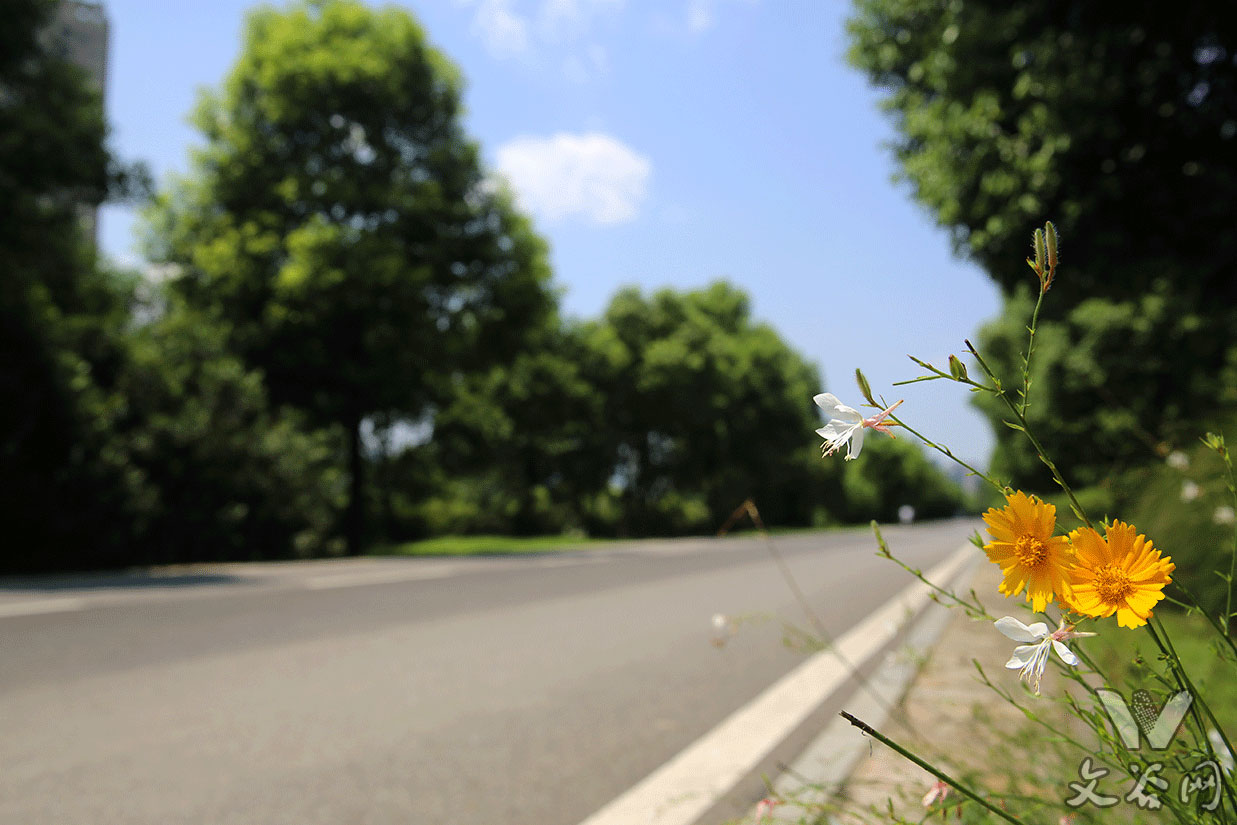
(349, 336)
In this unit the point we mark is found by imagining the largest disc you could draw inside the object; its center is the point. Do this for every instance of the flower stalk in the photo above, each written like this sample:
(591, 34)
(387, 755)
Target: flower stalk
(930, 768)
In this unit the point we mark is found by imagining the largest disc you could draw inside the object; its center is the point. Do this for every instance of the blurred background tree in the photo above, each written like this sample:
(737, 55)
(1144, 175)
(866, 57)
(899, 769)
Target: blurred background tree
(704, 408)
(226, 474)
(340, 288)
(527, 441)
(1119, 122)
(64, 488)
(338, 221)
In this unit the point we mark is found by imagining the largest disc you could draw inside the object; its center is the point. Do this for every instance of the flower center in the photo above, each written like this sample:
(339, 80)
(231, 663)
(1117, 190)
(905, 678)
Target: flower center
(1112, 584)
(1030, 551)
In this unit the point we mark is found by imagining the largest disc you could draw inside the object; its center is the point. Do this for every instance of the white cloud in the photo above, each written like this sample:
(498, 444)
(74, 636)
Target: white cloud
(571, 17)
(518, 28)
(504, 32)
(702, 14)
(699, 15)
(590, 176)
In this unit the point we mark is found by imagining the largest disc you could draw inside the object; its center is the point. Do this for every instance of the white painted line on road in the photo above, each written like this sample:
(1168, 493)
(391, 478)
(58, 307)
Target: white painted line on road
(369, 577)
(685, 788)
(825, 765)
(37, 607)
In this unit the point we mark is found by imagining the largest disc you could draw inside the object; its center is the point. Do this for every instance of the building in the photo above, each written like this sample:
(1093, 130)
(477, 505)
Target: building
(79, 33)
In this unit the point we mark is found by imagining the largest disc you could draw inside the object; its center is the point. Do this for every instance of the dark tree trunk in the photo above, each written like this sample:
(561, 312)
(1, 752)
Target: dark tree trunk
(354, 519)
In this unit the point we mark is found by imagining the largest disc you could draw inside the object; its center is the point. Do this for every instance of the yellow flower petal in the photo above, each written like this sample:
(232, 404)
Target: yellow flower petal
(1029, 555)
(1120, 572)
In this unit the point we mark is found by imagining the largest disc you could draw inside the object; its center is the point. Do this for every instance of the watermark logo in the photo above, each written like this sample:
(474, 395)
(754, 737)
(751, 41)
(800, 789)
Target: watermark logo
(1159, 725)
(1133, 720)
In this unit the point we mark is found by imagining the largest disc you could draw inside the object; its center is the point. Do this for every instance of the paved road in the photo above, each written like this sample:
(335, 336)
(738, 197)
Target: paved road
(487, 690)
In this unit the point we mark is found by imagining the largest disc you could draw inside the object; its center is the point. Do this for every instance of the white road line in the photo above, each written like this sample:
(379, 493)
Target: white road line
(369, 577)
(683, 789)
(36, 607)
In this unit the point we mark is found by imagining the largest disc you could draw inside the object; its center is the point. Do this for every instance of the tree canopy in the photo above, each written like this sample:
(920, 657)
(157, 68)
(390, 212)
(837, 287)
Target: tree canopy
(1116, 121)
(339, 221)
(337, 265)
(58, 312)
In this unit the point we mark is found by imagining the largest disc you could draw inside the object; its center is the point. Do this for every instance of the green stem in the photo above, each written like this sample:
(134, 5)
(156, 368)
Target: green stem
(939, 774)
(948, 453)
(1192, 602)
(1048, 462)
(1026, 362)
(973, 609)
(1040, 452)
(1232, 560)
(1097, 755)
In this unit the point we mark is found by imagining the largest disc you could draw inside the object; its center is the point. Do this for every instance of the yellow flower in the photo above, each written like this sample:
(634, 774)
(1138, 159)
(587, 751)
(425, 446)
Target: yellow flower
(1122, 574)
(1027, 552)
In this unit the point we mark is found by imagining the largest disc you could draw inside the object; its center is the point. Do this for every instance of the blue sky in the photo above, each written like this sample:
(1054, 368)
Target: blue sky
(661, 143)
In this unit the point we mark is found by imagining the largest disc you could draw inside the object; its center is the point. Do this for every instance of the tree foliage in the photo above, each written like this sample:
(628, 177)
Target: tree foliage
(1113, 381)
(225, 475)
(120, 443)
(1115, 120)
(337, 219)
(337, 260)
(59, 482)
(704, 408)
(660, 417)
(531, 436)
(891, 474)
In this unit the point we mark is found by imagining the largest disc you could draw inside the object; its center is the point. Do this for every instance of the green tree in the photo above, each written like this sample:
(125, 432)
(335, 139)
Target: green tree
(338, 220)
(703, 408)
(225, 476)
(1114, 381)
(891, 474)
(1116, 121)
(530, 436)
(65, 495)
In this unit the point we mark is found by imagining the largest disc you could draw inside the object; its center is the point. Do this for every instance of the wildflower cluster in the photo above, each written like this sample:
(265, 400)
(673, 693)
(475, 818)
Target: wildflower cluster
(1120, 572)
(1076, 578)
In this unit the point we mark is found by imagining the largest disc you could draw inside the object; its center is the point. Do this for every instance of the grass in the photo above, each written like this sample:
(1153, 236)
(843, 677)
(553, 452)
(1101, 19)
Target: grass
(491, 545)
(484, 545)
(522, 544)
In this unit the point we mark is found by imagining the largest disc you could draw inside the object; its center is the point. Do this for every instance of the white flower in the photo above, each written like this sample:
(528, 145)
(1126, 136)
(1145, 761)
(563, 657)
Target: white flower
(846, 425)
(1031, 658)
(1178, 460)
(1224, 515)
(1189, 490)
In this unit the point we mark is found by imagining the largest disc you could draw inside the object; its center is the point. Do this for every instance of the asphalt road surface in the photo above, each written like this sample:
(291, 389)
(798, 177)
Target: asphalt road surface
(499, 690)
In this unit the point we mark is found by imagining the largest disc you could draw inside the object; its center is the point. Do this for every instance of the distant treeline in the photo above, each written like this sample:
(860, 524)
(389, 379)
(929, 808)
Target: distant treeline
(352, 336)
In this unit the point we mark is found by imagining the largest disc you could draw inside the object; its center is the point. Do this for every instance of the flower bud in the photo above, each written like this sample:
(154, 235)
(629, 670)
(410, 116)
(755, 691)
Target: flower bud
(1215, 442)
(1039, 250)
(864, 388)
(957, 369)
(1050, 242)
